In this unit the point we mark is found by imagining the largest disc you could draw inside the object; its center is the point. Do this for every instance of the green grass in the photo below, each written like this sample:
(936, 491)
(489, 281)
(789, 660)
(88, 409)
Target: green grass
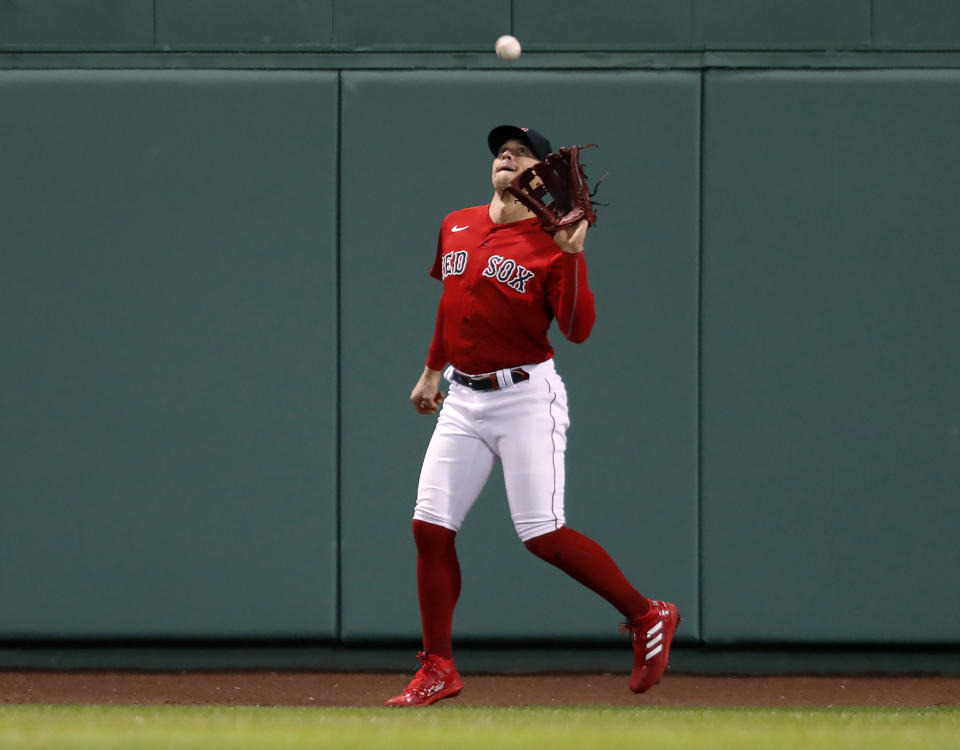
(474, 728)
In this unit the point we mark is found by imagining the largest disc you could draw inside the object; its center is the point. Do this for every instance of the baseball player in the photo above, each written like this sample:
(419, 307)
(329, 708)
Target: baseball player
(504, 281)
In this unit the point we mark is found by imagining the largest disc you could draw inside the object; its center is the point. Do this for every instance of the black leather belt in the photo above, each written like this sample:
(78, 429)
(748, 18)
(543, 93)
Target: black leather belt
(487, 382)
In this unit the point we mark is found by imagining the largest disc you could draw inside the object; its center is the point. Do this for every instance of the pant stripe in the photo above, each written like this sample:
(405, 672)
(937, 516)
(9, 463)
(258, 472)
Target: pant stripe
(553, 440)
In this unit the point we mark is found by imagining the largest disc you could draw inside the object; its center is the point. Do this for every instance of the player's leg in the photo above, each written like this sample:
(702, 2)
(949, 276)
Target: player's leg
(532, 444)
(651, 623)
(587, 562)
(455, 468)
(456, 465)
(438, 585)
(532, 451)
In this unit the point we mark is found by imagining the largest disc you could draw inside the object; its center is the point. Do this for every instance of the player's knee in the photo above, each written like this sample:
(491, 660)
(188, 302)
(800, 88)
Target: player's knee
(428, 534)
(530, 531)
(435, 508)
(541, 547)
(428, 517)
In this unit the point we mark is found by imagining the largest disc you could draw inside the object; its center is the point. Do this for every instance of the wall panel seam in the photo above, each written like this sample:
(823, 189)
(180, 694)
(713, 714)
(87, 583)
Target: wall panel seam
(338, 388)
(701, 116)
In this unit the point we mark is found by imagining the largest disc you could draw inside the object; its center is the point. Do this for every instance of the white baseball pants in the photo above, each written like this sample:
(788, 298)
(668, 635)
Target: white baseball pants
(525, 426)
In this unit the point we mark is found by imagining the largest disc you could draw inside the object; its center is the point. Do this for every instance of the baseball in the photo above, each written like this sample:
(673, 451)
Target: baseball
(508, 48)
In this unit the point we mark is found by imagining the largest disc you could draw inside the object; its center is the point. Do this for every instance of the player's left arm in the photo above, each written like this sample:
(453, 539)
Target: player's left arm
(571, 298)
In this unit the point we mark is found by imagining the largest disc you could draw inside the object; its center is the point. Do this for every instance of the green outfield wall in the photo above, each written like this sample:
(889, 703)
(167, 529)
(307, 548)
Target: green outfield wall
(216, 222)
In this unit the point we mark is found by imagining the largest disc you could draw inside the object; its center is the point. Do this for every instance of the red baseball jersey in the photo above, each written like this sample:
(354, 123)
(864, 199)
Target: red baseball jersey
(502, 286)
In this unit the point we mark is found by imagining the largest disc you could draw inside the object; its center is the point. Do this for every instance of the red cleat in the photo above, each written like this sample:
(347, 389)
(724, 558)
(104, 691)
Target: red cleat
(436, 679)
(652, 635)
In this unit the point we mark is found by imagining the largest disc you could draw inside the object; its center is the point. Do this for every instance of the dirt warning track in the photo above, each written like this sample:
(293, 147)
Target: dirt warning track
(296, 688)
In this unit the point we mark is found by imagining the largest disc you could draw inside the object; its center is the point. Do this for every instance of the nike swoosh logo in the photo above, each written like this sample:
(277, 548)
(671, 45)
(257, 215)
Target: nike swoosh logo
(456, 228)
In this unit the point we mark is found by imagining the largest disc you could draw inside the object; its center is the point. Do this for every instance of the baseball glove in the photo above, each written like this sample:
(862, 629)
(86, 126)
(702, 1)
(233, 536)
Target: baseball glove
(561, 176)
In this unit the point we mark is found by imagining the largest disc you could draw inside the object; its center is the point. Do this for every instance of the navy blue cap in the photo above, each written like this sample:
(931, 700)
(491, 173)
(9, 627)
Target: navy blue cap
(503, 133)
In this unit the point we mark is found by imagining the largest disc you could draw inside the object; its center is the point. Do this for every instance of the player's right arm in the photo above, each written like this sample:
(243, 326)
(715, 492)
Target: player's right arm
(426, 395)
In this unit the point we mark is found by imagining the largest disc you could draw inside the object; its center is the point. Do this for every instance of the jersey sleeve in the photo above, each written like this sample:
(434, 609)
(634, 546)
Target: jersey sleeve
(571, 298)
(437, 271)
(437, 356)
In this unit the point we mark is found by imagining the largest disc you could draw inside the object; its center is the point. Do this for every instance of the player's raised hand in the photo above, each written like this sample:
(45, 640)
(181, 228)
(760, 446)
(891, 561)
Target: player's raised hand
(571, 239)
(426, 395)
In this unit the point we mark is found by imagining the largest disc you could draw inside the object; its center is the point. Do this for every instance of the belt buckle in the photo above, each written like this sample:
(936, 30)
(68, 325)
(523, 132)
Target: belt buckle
(490, 381)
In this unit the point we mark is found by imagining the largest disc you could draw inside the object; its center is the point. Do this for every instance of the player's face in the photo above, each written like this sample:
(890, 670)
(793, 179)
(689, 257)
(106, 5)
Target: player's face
(513, 157)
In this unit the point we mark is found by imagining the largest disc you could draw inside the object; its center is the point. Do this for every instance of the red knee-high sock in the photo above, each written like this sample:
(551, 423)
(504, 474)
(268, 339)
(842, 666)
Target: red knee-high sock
(584, 560)
(438, 585)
